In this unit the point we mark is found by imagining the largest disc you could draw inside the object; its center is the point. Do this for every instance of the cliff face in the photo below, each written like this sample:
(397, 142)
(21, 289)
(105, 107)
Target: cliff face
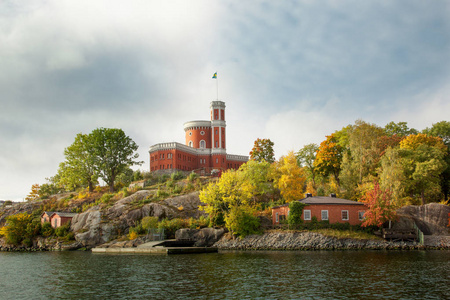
(96, 226)
(432, 219)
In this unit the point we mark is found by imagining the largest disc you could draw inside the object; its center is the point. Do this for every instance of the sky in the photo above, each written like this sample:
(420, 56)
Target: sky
(289, 71)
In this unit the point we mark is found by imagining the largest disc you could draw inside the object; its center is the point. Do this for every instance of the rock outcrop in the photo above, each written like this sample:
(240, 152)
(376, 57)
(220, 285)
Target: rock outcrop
(97, 226)
(205, 237)
(432, 219)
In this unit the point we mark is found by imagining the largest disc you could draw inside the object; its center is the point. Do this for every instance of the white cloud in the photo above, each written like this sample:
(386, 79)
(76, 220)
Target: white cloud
(292, 72)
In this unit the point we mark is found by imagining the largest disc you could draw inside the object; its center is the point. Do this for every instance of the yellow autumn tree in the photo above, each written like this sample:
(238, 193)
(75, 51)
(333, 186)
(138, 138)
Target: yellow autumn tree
(288, 177)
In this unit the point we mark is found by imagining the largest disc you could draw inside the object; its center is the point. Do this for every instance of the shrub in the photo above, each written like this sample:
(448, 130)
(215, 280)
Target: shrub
(176, 176)
(132, 235)
(62, 230)
(241, 221)
(149, 222)
(106, 198)
(20, 228)
(201, 222)
(192, 177)
(177, 189)
(171, 226)
(47, 230)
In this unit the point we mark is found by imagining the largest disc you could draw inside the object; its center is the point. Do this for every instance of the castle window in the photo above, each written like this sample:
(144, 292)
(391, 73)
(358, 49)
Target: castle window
(202, 144)
(202, 132)
(191, 144)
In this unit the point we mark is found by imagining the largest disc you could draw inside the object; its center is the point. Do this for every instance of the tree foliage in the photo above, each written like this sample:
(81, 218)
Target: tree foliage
(263, 150)
(329, 157)
(288, 177)
(34, 193)
(112, 152)
(380, 208)
(399, 129)
(20, 228)
(306, 157)
(78, 169)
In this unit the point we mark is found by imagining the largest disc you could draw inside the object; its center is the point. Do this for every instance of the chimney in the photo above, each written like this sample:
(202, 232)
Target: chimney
(333, 195)
(308, 195)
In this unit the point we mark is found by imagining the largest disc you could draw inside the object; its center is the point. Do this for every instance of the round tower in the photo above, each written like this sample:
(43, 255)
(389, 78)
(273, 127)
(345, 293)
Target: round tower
(198, 134)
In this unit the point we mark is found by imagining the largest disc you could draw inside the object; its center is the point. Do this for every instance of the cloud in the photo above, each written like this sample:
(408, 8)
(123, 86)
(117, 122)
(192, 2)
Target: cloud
(290, 71)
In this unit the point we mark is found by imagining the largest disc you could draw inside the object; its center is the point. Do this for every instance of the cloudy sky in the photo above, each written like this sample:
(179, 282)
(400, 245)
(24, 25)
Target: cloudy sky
(291, 71)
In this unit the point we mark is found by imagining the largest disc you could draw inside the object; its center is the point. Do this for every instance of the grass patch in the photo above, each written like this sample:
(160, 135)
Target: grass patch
(346, 234)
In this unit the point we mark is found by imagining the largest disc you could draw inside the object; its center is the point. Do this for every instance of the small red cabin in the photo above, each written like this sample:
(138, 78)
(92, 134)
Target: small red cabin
(56, 219)
(331, 209)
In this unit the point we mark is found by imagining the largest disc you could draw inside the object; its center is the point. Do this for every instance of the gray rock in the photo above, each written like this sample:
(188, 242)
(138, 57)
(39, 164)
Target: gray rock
(205, 237)
(431, 218)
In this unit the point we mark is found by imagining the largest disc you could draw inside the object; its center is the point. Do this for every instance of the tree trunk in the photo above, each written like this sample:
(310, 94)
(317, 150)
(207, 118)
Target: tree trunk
(91, 186)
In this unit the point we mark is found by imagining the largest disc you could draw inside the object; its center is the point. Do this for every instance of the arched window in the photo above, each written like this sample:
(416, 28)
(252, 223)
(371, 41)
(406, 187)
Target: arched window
(191, 144)
(202, 144)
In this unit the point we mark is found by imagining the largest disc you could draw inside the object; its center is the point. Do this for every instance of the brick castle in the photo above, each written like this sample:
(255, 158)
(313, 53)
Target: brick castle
(205, 149)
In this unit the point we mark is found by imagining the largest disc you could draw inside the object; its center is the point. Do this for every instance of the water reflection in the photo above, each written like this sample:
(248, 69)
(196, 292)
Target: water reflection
(227, 275)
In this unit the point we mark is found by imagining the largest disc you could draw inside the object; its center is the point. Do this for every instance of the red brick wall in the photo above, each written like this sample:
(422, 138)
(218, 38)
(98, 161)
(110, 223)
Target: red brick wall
(334, 212)
(195, 136)
(281, 211)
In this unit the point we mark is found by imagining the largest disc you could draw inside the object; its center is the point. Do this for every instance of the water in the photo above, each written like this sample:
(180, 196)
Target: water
(227, 275)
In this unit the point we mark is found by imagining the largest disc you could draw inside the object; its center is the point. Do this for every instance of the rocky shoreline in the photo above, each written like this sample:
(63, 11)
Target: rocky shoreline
(42, 244)
(313, 241)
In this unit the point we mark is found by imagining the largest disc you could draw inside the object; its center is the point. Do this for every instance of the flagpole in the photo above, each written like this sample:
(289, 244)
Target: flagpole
(217, 85)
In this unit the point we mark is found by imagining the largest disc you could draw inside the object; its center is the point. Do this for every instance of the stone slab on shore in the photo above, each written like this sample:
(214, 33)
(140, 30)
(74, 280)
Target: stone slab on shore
(307, 241)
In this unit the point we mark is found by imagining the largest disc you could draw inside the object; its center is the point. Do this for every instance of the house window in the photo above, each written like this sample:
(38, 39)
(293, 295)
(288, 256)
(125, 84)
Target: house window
(344, 215)
(324, 215)
(307, 215)
(361, 215)
(276, 218)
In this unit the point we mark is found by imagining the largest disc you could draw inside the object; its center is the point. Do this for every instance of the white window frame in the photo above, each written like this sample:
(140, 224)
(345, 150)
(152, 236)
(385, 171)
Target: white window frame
(203, 144)
(344, 211)
(191, 144)
(361, 214)
(321, 215)
(307, 215)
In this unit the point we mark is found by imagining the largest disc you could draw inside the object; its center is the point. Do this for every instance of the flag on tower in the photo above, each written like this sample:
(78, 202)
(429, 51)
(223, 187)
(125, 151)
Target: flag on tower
(215, 75)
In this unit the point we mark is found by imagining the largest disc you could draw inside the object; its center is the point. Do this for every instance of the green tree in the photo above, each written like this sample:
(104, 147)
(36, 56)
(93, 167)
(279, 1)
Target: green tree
(442, 130)
(78, 169)
(242, 221)
(231, 200)
(306, 157)
(422, 159)
(361, 159)
(112, 153)
(400, 129)
(263, 150)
